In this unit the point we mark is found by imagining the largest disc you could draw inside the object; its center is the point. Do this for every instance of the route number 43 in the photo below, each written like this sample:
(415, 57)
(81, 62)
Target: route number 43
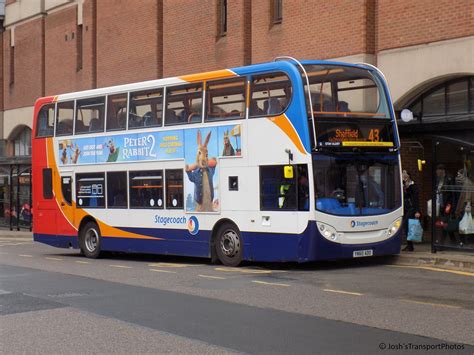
(374, 135)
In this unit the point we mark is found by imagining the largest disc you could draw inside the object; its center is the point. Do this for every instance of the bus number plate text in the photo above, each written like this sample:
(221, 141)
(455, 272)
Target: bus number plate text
(362, 253)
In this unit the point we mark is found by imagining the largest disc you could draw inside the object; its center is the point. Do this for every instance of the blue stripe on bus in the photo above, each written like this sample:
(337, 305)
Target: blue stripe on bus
(305, 247)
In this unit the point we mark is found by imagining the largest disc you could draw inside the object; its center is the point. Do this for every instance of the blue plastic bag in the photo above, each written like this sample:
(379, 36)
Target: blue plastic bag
(415, 230)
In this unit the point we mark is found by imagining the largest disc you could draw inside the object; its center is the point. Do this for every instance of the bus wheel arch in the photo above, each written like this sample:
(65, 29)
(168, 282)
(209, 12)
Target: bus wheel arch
(89, 238)
(226, 243)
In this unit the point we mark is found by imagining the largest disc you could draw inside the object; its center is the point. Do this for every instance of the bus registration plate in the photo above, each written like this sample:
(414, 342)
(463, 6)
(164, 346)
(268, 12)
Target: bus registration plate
(362, 253)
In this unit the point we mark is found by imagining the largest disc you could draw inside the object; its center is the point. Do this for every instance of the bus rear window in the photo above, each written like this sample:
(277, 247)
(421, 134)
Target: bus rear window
(45, 122)
(271, 94)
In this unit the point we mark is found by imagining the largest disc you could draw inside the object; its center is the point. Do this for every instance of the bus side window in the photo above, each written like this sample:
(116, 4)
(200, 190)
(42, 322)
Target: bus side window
(146, 108)
(270, 94)
(90, 115)
(117, 190)
(183, 104)
(226, 99)
(116, 112)
(146, 189)
(64, 116)
(174, 189)
(66, 187)
(47, 183)
(45, 122)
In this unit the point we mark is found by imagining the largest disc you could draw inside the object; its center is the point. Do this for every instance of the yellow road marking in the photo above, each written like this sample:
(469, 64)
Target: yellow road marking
(166, 271)
(82, 262)
(243, 271)
(270, 283)
(343, 292)
(430, 268)
(121, 266)
(26, 255)
(212, 277)
(168, 265)
(431, 304)
(53, 259)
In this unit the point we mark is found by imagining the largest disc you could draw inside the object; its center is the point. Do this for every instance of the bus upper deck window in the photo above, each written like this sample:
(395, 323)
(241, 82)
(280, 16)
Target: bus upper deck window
(183, 104)
(270, 94)
(116, 112)
(64, 117)
(146, 108)
(45, 121)
(226, 99)
(90, 115)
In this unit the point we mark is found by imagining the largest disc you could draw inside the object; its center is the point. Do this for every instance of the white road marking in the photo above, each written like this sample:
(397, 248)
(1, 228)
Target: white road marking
(212, 277)
(242, 271)
(82, 262)
(57, 259)
(26, 255)
(343, 292)
(121, 266)
(270, 283)
(165, 271)
(431, 303)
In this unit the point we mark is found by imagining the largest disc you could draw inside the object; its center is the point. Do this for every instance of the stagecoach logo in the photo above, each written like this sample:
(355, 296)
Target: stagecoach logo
(193, 225)
(363, 224)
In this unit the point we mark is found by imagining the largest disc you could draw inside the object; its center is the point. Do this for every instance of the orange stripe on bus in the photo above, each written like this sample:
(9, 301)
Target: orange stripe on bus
(218, 74)
(285, 125)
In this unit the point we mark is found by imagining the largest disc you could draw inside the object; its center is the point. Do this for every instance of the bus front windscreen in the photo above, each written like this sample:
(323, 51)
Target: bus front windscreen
(349, 185)
(349, 106)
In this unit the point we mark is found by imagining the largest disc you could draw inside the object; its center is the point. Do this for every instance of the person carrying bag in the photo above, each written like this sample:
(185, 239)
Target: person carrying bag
(411, 208)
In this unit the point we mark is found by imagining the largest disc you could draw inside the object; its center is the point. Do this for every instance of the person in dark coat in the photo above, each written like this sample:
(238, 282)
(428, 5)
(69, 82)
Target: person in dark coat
(411, 204)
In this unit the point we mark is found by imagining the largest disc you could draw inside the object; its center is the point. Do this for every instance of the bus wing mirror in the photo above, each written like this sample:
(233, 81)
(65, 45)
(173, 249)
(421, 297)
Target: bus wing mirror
(406, 115)
(288, 172)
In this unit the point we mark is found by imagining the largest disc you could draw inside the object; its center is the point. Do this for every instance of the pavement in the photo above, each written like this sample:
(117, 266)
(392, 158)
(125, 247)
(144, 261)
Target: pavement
(422, 256)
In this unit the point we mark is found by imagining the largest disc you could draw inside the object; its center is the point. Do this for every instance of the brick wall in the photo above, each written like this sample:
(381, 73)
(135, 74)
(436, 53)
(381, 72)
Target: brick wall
(27, 85)
(408, 22)
(190, 40)
(61, 36)
(311, 30)
(127, 41)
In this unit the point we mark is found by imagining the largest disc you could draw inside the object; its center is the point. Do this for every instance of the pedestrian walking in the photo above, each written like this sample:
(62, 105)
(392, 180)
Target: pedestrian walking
(411, 206)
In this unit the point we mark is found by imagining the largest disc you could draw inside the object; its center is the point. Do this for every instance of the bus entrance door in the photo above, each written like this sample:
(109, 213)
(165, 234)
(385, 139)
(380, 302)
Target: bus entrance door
(66, 228)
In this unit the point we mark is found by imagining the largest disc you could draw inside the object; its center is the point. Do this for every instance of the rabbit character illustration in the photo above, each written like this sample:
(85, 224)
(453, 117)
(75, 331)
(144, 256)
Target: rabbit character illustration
(201, 174)
(75, 155)
(228, 150)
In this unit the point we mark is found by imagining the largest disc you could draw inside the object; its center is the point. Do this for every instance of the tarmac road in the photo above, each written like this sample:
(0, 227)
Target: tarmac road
(54, 300)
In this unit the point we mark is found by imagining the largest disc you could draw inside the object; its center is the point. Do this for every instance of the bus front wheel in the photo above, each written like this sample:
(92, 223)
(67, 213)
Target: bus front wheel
(90, 240)
(229, 245)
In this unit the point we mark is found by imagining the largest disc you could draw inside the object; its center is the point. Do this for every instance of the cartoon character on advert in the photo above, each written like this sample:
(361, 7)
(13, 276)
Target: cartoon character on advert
(201, 174)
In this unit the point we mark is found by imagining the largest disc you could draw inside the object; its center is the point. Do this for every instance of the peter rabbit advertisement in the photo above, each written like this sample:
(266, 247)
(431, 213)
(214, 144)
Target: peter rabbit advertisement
(122, 148)
(202, 171)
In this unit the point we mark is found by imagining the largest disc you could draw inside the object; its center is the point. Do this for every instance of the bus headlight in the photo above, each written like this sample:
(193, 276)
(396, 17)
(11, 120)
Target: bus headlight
(327, 231)
(394, 227)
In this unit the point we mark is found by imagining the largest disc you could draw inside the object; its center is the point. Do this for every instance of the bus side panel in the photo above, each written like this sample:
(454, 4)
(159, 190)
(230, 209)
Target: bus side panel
(168, 241)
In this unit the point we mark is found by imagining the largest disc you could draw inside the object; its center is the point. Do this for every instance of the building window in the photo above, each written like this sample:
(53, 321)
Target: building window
(22, 143)
(277, 11)
(440, 103)
(12, 65)
(79, 55)
(222, 18)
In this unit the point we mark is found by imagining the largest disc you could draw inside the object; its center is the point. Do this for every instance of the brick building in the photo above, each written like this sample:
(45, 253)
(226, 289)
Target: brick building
(424, 47)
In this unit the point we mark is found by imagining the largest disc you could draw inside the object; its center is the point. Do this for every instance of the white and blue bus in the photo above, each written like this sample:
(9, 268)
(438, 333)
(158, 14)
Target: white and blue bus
(280, 161)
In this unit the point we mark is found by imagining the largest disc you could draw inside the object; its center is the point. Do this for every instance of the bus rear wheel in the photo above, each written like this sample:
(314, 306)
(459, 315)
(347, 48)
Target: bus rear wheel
(229, 245)
(90, 240)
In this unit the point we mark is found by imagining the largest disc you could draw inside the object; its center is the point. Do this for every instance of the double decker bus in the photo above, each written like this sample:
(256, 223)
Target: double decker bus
(280, 161)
